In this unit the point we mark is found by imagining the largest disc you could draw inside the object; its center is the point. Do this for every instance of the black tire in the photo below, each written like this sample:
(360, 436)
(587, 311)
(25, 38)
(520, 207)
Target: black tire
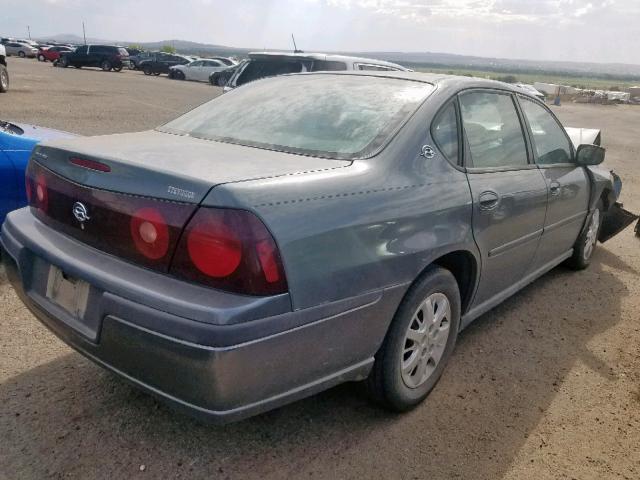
(78, 66)
(582, 254)
(41, 58)
(105, 65)
(385, 383)
(117, 69)
(179, 75)
(21, 54)
(147, 70)
(4, 79)
(63, 62)
(156, 74)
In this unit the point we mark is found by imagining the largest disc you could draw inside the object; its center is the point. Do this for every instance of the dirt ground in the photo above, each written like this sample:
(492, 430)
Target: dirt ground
(546, 386)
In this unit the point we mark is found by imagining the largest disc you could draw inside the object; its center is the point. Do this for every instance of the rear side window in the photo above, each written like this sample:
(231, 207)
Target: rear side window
(493, 130)
(445, 132)
(375, 68)
(123, 52)
(81, 50)
(549, 139)
(328, 66)
(257, 69)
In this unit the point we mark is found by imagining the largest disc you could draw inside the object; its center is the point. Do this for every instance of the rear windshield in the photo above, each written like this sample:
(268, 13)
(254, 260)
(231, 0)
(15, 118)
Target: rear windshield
(334, 116)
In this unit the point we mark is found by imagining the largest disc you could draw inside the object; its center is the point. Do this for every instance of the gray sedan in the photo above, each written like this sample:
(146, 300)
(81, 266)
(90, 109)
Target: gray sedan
(20, 49)
(344, 227)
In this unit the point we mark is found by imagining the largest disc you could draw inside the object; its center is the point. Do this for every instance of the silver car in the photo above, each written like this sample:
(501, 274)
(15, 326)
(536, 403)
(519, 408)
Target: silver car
(200, 70)
(20, 49)
(303, 231)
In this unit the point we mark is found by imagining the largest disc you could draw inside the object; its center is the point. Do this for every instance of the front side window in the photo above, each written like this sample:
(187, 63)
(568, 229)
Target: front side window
(493, 130)
(445, 132)
(332, 116)
(549, 140)
(82, 50)
(195, 64)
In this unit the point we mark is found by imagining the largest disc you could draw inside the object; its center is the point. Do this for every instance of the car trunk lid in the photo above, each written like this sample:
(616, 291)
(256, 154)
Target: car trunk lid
(132, 195)
(167, 166)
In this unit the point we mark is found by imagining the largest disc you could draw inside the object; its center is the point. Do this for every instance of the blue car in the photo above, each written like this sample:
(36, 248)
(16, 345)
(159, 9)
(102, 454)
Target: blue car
(16, 143)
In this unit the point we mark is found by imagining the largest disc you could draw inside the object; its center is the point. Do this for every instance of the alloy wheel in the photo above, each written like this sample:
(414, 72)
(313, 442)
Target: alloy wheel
(425, 340)
(592, 234)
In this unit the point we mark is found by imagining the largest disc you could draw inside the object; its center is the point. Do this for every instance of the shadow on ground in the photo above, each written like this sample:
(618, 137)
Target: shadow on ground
(69, 418)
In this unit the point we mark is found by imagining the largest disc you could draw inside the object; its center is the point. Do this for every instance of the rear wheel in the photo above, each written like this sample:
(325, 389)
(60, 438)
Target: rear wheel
(419, 342)
(21, 54)
(105, 65)
(41, 58)
(147, 70)
(63, 62)
(156, 73)
(179, 75)
(4, 79)
(587, 241)
(117, 69)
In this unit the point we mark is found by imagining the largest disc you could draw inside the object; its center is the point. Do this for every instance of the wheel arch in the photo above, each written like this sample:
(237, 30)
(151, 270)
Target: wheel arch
(463, 265)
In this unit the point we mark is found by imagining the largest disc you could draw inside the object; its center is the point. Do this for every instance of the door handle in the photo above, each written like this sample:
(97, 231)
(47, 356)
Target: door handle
(489, 200)
(554, 188)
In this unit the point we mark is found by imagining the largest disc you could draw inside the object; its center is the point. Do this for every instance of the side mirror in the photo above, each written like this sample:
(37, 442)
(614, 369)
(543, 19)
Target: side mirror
(589, 155)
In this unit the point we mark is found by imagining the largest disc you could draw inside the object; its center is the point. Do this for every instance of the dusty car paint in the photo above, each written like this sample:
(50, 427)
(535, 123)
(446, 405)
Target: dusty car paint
(353, 236)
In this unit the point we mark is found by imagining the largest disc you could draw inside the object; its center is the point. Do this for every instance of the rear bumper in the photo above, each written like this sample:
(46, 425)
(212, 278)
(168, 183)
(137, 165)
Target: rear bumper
(216, 372)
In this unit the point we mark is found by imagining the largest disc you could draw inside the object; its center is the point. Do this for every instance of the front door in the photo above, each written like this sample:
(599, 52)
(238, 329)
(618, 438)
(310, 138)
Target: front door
(509, 192)
(568, 184)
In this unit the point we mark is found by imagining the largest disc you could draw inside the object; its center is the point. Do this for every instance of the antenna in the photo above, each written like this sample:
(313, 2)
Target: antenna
(295, 47)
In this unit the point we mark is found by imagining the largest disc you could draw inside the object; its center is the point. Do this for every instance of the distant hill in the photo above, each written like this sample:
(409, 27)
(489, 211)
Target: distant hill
(614, 71)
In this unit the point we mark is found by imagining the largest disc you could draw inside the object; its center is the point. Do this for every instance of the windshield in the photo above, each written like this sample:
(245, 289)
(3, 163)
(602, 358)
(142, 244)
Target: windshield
(336, 116)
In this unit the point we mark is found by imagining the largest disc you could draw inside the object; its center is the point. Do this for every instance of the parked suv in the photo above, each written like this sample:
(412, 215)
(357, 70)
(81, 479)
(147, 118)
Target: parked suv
(161, 62)
(271, 64)
(4, 74)
(106, 57)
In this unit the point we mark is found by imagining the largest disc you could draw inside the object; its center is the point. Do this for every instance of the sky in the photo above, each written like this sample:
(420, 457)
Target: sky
(587, 31)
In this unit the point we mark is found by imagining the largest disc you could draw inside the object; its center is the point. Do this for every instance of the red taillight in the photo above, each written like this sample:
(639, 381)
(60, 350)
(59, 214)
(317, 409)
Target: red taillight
(90, 164)
(213, 247)
(37, 192)
(230, 250)
(150, 233)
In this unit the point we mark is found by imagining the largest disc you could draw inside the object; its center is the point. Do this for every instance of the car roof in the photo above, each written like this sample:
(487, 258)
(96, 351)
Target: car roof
(322, 56)
(437, 79)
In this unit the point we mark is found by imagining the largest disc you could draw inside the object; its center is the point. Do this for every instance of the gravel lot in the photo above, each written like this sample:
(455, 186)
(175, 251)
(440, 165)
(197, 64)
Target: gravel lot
(546, 386)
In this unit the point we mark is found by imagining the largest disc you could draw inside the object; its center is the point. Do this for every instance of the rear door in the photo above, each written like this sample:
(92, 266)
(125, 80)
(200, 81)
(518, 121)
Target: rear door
(208, 67)
(80, 56)
(568, 184)
(509, 192)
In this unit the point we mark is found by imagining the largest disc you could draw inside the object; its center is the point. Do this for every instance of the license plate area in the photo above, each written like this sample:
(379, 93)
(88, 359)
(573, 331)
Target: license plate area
(68, 292)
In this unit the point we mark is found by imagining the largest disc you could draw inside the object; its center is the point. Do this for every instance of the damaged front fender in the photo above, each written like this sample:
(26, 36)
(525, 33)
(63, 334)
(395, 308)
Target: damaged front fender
(616, 218)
